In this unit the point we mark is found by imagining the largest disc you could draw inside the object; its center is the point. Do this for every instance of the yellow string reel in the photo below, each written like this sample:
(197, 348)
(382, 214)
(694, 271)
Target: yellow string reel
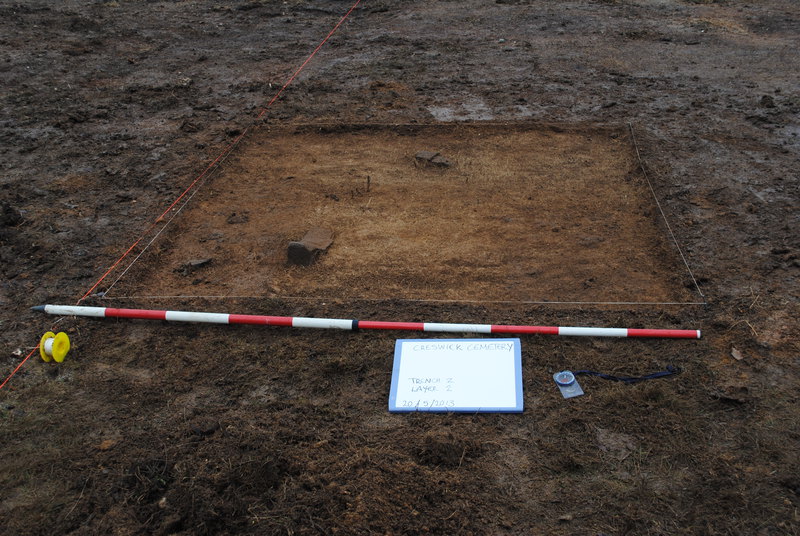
(54, 347)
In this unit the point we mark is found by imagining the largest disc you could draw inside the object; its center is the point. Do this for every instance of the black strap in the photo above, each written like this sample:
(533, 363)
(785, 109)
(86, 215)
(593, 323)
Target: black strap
(670, 371)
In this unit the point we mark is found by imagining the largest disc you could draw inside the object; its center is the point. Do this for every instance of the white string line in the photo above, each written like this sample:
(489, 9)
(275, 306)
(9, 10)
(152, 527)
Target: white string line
(177, 211)
(155, 237)
(410, 300)
(521, 124)
(235, 144)
(512, 302)
(664, 216)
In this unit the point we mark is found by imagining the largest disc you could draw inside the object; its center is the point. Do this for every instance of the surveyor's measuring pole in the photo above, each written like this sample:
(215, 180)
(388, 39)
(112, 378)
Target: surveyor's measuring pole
(336, 323)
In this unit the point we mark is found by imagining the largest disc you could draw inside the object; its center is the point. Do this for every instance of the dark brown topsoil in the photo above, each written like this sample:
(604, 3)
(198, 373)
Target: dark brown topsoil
(111, 109)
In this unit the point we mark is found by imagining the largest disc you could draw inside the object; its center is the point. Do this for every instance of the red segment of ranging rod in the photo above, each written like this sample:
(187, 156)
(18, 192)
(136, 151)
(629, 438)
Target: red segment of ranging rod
(143, 314)
(338, 323)
(261, 320)
(671, 333)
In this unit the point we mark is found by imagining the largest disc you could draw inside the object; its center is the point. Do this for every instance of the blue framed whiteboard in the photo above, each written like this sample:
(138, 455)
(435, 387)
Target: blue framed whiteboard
(457, 375)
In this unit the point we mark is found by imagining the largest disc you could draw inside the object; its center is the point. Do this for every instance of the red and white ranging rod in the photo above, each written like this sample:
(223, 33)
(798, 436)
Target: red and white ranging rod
(335, 323)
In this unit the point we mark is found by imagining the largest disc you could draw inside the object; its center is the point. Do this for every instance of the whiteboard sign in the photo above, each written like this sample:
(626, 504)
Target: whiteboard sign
(464, 375)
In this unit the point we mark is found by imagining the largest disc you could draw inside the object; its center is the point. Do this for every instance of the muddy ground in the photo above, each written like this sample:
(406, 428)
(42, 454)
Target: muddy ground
(111, 109)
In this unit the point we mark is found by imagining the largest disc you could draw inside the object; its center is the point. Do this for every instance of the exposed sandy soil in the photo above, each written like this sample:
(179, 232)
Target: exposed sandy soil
(111, 109)
(494, 222)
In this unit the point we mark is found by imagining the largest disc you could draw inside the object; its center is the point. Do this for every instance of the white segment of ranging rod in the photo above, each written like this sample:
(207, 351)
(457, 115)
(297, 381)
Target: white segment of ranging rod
(75, 310)
(457, 328)
(321, 323)
(188, 316)
(593, 332)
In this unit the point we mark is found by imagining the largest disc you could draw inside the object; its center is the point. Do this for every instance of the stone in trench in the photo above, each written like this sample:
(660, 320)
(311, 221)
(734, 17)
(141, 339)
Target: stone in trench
(431, 158)
(242, 217)
(315, 242)
(190, 266)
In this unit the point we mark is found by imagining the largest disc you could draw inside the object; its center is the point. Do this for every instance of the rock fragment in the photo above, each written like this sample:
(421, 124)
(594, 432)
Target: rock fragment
(190, 266)
(431, 158)
(306, 252)
(242, 217)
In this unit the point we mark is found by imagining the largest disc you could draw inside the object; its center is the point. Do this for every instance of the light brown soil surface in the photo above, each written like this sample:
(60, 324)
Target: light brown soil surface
(498, 224)
(111, 109)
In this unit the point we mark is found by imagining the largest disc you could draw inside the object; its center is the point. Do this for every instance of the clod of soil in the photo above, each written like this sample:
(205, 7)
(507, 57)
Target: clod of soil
(9, 216)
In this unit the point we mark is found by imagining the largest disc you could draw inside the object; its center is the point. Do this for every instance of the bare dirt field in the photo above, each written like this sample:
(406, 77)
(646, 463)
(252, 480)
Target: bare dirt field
(495, 222)
(613, 163)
